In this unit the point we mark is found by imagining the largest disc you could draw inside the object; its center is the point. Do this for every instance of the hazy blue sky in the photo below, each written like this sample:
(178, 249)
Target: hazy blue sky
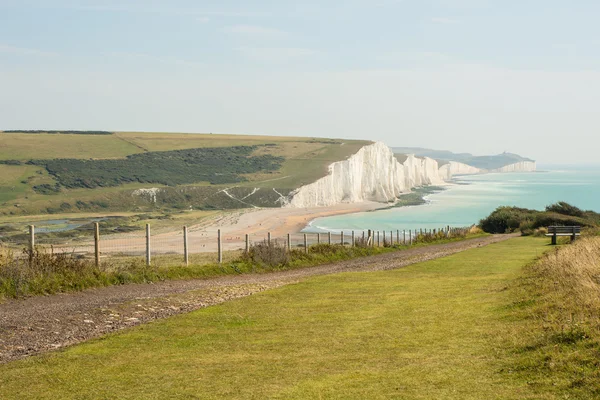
(482, 76)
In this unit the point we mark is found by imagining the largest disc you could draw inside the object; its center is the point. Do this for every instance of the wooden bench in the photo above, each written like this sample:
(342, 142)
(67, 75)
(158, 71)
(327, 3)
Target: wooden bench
(555, 231)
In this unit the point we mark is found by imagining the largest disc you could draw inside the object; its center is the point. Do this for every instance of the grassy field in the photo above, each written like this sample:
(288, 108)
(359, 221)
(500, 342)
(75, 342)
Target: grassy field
(306, 160)
(21, 146)
(429, 331)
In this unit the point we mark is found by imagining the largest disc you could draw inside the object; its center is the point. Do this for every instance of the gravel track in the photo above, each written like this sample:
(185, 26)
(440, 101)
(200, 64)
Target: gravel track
(39, 324)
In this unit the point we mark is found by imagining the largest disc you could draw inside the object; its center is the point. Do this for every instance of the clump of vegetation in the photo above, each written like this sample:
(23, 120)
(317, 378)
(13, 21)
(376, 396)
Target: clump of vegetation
(512, 219)
(440, 235)
(559, 295)
(44, 271)
(265, 254)
(47, 189)
(10, 162)
(171, 168)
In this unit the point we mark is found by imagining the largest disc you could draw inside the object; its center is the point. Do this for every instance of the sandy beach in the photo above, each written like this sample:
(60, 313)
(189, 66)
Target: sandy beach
(281, 221)
(234, 226)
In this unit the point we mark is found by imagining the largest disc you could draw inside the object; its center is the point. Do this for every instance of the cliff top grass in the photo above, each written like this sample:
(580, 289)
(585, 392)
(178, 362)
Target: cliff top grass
(432, 330)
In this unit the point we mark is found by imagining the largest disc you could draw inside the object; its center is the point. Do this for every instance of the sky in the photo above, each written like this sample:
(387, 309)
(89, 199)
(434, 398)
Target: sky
(478, 76)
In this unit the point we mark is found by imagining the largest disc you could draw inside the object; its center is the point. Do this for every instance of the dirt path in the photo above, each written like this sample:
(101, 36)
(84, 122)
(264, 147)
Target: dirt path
(39, 324)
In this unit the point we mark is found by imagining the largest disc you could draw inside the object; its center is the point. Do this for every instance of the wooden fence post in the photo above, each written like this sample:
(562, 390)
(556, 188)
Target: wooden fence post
(305, 244)
(148, 251)
(342, 238)
(247, 244)
(97, 244)
(269, 238)
(318, 238)
(186, 255)
(353, 239)
(219, 247)
(31, 242)
(289, 242)
(378, 243)
(329, 238)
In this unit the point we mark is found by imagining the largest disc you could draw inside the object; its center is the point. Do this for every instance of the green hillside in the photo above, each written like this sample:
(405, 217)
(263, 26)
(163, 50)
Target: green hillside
(483, 162)
(97, 171)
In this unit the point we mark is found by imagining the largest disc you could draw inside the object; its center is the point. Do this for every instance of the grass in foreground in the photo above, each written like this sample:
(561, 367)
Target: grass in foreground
(434, 330)
(556, 333)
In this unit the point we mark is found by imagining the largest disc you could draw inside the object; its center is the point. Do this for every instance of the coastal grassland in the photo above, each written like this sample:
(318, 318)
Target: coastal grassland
(428, 331)
(304, 161)
(163, 141)
(555, 334)
(24, 146)
(15, 180)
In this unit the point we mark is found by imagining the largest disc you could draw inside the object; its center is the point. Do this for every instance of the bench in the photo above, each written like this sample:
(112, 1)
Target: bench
(555, 231)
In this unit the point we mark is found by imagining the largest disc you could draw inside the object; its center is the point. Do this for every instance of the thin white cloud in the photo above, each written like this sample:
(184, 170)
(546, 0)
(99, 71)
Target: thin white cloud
(203, 20)
(150, 58)
(444, 20)
(168, 10)
(25, 51)
(275, 54)
(254, 30)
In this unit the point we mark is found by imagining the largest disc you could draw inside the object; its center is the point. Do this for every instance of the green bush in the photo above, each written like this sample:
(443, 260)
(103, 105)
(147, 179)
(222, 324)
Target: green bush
(512, 219)
(565, 209)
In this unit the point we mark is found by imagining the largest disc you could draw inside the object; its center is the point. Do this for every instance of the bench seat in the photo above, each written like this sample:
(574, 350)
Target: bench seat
(570, 231)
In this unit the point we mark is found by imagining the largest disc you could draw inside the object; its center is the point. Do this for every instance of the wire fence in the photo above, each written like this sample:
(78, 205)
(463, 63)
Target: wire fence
(209, 245)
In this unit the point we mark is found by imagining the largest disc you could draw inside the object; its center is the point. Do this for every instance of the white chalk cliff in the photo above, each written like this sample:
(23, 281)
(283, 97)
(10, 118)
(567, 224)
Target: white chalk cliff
(453, 168)
(523, 166)
(374, 174)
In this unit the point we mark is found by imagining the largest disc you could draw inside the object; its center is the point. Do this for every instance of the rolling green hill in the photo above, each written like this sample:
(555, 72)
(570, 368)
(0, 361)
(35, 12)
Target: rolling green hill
(81, 171)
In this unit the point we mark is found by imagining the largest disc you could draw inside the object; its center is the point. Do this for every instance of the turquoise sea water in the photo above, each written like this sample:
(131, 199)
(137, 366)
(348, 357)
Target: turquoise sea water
(474, 197)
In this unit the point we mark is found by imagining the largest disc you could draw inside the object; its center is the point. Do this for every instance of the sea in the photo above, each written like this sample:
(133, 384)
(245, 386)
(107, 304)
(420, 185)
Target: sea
(470, 198)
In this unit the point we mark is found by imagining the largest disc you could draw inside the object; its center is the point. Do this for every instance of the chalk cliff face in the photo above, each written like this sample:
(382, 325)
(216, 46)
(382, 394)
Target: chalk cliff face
(453, 168)
(523, 166)
(372, 174)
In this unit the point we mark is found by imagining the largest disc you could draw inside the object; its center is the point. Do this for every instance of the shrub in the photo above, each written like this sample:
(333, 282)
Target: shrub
(565, 208)
(45, 272)
(511, 219)
(170, 168)
(265, 254)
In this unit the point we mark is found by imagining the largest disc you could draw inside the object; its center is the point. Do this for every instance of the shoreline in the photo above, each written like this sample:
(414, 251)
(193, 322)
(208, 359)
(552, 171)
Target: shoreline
(281, 221)
(415, 198)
